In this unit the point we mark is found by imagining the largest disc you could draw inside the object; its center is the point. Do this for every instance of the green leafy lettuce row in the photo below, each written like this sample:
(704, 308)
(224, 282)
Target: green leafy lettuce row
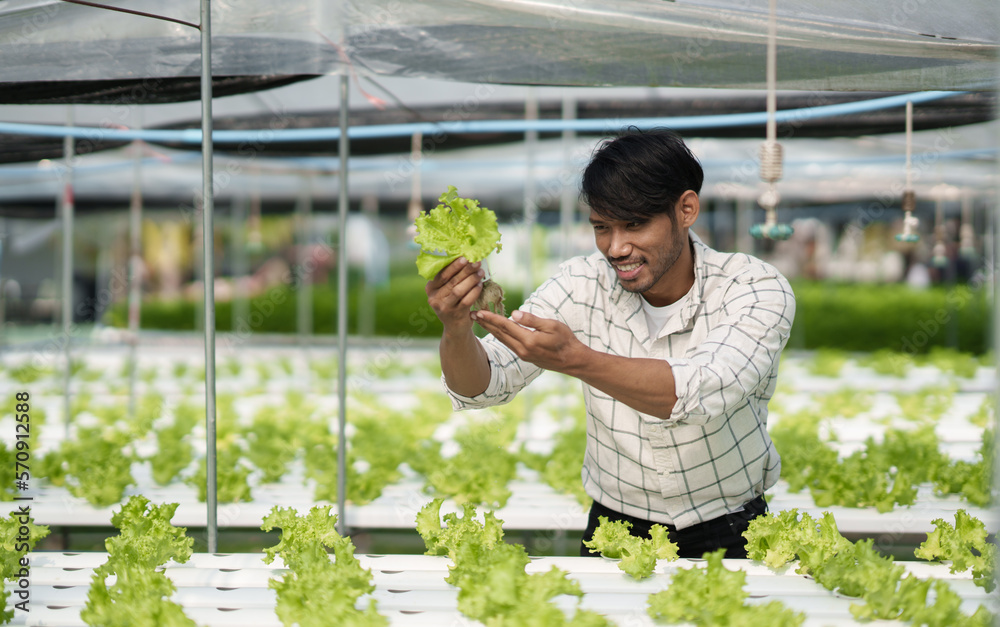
(638, 556)
(965, 546)
(494, 587)
(13, 547)
(561, 467)
(855, 570)
(317, 591)
(883, 474)
(481, 470)
(141, 592)
(714, 595)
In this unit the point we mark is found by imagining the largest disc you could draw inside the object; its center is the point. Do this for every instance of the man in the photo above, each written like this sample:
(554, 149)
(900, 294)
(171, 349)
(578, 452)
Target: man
(676, 345)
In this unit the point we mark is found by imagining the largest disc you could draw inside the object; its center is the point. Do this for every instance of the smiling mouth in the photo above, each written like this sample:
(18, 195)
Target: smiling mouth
(628, 271)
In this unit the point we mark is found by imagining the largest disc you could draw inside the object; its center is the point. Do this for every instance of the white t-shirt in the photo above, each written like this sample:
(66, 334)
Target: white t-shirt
(656, 317)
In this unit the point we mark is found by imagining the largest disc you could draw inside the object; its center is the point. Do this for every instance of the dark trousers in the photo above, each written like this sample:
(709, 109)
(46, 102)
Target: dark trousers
(694, 541)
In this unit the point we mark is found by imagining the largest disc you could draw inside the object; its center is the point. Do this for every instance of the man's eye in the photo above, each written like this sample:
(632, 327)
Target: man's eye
(633, 225)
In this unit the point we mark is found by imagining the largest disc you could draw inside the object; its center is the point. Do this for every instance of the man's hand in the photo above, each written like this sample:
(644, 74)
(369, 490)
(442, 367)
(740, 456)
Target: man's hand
(548, 344)
(644, 384)
(452, 293)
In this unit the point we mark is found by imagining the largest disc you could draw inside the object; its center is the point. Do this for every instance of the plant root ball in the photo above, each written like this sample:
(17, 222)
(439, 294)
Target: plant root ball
(491, 298)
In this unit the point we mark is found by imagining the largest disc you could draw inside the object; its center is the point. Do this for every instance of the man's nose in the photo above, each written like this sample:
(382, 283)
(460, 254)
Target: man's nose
(620, 244)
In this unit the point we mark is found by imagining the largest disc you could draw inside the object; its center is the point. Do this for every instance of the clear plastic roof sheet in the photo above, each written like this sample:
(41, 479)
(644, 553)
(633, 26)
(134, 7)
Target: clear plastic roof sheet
(895, 45)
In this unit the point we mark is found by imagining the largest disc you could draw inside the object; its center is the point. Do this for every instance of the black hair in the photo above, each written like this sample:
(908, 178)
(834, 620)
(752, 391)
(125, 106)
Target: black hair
(639, 174)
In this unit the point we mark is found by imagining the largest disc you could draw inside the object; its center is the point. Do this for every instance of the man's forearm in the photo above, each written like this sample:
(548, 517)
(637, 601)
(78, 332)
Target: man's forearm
(646, 385)
(464, 363)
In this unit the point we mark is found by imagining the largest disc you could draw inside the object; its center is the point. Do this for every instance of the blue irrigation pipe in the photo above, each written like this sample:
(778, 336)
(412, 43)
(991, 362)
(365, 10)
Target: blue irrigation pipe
(265, 136)
(366, 164)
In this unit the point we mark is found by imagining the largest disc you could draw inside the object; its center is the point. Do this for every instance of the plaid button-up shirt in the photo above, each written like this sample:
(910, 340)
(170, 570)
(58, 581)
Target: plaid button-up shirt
(713, 453)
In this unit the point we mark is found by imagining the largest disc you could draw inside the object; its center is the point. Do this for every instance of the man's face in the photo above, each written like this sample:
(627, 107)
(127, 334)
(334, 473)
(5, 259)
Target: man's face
(642, 252)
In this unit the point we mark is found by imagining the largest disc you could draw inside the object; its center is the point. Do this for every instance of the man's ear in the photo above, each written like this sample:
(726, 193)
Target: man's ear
(688, 206)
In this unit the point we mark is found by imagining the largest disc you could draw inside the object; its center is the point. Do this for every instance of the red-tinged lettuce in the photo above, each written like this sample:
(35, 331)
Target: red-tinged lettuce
(714, 595)
(965, 546)
(638, 556)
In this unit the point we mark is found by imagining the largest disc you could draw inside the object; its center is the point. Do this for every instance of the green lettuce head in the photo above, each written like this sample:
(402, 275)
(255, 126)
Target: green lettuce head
(457, 227)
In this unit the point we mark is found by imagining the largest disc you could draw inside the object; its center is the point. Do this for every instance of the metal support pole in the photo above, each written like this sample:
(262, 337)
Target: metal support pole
(994, 268)
(3, 290)
(744, 219)
(530, 216)
(68, 206)
(366, 308)
(208, 261)
(342, 206)
(304, 301)
(240, 310)
(134, 277)
(198, 266)
(567, 198)
(530, 205)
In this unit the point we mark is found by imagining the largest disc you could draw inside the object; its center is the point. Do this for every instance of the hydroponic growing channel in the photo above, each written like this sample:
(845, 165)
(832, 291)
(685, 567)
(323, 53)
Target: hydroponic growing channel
(83, 472)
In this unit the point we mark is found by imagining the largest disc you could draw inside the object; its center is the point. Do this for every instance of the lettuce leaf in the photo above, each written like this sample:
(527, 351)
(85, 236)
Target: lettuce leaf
(146, 537)
(613, 540)
(714, 595)
(457, 227)
(13, 547)
(458, 534)
(493, 586)
(316, 591)
(141, 591)
(858, 570)
(964, 545)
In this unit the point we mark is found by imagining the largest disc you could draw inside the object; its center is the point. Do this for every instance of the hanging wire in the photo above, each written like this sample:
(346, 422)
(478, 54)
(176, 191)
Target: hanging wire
(910, 222)
(770, 150)
(966, 231)
(940, 255)
(134, 12)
